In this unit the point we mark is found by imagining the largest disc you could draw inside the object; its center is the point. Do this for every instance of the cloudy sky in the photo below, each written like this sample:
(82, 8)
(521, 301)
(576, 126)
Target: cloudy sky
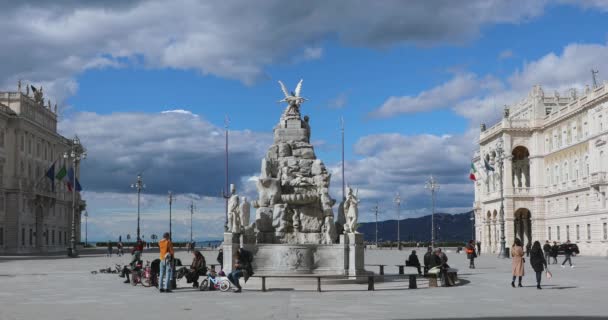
(147, 86)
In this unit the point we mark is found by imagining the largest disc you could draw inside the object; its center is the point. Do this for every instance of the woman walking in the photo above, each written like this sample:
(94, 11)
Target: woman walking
(538, 262)
(517, 252)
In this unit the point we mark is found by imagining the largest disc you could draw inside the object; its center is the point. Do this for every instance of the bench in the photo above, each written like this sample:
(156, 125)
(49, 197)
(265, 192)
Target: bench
(402, 267)
(434, 276)
(378, 265)
(370, 279)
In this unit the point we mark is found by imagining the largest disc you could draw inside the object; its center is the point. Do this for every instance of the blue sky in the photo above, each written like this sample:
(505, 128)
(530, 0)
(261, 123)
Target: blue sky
(412, 80)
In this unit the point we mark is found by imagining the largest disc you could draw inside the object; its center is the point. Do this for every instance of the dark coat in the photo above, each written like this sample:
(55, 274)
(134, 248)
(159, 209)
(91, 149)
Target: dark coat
(554, 250)
(471, 248)
(428, 258)
(537, 260)
(413, 260)
(568, 249)
(547, 247)
(220, 258)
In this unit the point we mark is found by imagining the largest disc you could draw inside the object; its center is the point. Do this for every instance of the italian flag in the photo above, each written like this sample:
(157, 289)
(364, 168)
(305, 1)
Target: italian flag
(473, 172)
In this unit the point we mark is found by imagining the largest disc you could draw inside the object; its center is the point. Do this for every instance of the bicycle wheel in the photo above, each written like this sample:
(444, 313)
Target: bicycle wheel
(224, 285)
(204, 286)
(134, 280)
(146, 282)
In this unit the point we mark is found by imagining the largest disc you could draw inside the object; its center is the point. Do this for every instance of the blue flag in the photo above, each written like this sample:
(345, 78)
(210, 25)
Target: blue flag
(51, 175)
(71, 180)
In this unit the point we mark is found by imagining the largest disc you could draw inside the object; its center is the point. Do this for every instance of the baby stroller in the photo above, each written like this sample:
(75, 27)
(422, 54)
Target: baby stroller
(215, 281)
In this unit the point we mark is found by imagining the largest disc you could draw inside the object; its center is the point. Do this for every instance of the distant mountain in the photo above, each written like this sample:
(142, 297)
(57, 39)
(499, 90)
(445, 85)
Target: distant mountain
(449, 227)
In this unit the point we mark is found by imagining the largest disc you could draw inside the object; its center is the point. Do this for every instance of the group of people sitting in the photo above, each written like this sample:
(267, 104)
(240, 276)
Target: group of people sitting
(162, 268)
(435, 261)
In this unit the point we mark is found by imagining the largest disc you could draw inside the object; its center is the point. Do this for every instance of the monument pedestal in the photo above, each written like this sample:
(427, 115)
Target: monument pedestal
(232, 243)
(345, 258)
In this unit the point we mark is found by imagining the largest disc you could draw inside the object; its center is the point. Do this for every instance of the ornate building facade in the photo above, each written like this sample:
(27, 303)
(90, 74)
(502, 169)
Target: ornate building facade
(35, 216)
(555, 172)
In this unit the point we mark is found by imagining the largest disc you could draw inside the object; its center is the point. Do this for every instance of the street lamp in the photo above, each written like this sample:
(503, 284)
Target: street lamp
(138, 185)
(398, 202)
(76, 153)
(86, 228)
(376, 210)
(191, 214)
(432, 185)
(500, 159)
(171, 198)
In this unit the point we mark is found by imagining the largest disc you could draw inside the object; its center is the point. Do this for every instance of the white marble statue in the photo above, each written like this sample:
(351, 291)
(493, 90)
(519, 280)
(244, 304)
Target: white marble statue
(234, 216)
(245, 212)
(352, 212)
(293, 99)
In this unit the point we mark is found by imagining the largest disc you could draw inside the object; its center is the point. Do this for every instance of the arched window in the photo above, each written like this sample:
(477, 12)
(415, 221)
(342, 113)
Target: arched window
(586, 166)
(565, 171)
(576, 169)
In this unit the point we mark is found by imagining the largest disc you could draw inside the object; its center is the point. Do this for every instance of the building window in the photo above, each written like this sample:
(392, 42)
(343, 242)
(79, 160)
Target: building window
(605, 231)
(53, 237)
(2, 235)
(65, 238)
(31, 237)
(59, 234)
(578, 232)
(567, 233)
(588, 231)
(549, 233)
(567, 205)
(22, 236)
(558, 235)
(46, 237)
(2, 138)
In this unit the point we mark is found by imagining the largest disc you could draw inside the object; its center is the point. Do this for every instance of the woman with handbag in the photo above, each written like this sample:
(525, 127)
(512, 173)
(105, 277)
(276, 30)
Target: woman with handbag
(517, 252)
(538, 262)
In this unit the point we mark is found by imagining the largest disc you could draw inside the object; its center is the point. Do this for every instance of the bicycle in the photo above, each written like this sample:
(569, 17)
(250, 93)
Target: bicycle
(215, 281)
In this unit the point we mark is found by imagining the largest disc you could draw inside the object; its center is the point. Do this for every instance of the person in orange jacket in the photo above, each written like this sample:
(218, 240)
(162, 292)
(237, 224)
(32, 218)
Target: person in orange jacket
(166, 259)
(471, 254)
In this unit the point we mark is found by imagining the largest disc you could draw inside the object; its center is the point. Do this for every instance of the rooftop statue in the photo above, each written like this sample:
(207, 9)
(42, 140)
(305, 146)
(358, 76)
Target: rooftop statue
(293, 99)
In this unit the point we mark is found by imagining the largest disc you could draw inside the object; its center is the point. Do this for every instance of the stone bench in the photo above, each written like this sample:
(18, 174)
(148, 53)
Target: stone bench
(434, 277)
(370, 279)
(381, 266)
(402, 267)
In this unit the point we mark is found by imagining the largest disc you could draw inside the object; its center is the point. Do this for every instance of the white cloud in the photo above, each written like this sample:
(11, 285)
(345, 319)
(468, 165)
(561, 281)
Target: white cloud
(230, 39)
(442, 96)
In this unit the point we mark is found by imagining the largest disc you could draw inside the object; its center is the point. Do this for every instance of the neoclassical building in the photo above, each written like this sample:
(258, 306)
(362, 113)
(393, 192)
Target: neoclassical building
(33, 217)
(555, 180)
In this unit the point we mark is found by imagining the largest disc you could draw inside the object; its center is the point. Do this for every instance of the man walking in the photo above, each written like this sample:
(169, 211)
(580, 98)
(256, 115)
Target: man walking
(547, 251)
(568, 254)
(478, 248)
(554, 250)
(166, 260)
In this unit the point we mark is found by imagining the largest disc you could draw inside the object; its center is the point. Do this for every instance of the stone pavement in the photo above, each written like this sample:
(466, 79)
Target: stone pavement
(65, 289)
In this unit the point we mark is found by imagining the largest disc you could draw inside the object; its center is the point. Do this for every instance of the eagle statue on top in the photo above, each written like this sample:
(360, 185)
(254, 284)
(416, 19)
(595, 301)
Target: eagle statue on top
(293, 99)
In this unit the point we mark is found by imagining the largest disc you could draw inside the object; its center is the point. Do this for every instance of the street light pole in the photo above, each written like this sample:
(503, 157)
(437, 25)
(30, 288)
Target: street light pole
(77, 153)
(191, 214)
(432, 185)
(86, 228)
(398, 202)
(138, 185)
(171, 198)
(376, 209)
(500, 158)
(226, 191)
(343, 181)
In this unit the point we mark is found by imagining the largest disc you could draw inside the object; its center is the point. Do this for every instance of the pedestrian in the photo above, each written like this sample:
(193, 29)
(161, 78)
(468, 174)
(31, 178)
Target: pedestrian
(517, 252)
(220, 258)
(547, 251)
(166, 257)
(119, 248)
(538, 262)
(109, 249)
(554, 251)
(528, 248)
(479, 248)
(428, 260)
(413, 261)
(568, 254)
(471, 254)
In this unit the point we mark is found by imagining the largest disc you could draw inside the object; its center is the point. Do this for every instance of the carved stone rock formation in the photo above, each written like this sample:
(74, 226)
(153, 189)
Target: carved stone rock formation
(293, 205)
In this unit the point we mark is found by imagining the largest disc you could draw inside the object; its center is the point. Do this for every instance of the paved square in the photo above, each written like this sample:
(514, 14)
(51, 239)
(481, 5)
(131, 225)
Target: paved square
(58, 288)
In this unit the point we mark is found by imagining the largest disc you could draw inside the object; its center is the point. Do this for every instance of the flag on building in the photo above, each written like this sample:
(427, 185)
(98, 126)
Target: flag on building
(61, 173)
(487, 165)
(473, 172)
(50, 173)
(70, 182)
